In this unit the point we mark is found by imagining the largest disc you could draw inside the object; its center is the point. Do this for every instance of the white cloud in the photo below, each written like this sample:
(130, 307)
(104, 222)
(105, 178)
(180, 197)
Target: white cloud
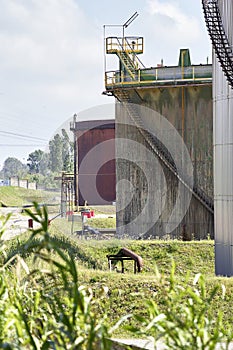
(174, 22)
(171, 25)
(46, 37)
(51, 60)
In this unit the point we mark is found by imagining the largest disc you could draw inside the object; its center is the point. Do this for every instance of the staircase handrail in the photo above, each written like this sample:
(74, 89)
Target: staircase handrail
(218, 36)
(141, 65)
(120, 42)
(163, 154)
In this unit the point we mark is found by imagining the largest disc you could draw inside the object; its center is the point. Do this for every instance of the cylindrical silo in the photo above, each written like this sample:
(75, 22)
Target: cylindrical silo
(223, 153)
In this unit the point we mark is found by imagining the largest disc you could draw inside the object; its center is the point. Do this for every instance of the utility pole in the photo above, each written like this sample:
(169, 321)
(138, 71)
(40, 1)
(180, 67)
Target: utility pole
(76, 194)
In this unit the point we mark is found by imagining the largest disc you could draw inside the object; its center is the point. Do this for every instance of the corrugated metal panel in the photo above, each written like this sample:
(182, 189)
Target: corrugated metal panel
(223, 156)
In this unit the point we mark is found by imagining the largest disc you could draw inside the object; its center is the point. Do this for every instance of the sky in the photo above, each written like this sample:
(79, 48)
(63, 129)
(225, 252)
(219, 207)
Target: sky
(52, 58)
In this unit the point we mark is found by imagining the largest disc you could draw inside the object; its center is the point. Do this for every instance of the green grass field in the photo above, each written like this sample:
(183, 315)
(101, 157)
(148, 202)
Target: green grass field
(17, 197)
(128, 292)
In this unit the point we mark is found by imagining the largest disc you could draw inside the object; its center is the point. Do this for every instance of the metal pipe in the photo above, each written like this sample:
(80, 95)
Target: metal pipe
(182, 111)
(76, 200)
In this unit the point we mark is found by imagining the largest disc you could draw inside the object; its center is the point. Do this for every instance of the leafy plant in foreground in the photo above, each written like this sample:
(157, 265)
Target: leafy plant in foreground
(184, 322)
(45, 308)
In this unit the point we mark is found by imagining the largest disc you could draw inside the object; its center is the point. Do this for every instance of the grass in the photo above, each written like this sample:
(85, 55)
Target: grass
(104, 209)
(61, 225)
(102, 222)
(17, 197)
(127, 293)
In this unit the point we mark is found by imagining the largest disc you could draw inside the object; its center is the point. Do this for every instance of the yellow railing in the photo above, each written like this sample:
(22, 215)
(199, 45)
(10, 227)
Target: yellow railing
(161, 74)
(128, 44)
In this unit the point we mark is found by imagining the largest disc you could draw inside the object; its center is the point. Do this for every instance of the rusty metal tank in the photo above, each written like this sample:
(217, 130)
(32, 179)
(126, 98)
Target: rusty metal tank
(95, 162)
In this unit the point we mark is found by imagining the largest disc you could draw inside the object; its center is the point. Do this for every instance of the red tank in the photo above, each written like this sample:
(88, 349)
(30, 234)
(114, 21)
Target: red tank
(95, 162)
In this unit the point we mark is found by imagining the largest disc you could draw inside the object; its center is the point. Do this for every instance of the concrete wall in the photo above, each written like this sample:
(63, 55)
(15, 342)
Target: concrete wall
(32, 186)
(23, 183)
(189, 110)
(16, 182)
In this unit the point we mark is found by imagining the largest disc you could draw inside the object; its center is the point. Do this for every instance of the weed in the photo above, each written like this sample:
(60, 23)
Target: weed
(185, 321)
(48, 309)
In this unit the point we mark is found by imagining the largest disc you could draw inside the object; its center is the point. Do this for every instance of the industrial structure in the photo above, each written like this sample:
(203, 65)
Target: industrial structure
(219, 20)
(94, 148)
(182, 95)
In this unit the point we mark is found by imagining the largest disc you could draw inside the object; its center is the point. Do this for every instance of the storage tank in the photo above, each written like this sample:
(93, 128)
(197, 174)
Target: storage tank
(95, 159)
(179, 96)
(223, 150)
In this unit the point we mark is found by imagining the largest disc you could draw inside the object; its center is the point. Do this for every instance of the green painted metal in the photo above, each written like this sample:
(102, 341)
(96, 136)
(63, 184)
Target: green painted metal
(132, 73)
(184, 59)
(198, 74)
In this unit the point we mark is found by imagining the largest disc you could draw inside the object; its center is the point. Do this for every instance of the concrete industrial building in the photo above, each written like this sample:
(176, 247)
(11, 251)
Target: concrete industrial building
(182, 95)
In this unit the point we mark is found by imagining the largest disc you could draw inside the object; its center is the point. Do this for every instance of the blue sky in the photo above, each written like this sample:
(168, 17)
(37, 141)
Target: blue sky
(52, 60)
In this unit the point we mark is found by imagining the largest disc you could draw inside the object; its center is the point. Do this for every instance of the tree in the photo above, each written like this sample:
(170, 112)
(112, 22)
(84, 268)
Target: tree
(37, 162)
(13, 167)
(55, 148)
(61, 153)
(44, 164)
(67, 152)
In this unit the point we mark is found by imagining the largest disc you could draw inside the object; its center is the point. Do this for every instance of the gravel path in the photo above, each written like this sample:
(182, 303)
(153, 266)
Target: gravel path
(16, 225)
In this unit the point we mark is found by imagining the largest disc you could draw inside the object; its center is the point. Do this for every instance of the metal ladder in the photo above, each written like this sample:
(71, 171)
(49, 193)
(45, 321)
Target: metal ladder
(127, 63)
(218, 36)
(160, 150)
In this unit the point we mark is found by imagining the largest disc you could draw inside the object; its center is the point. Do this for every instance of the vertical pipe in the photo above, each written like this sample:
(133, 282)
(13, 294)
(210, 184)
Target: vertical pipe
(63, 196)
(182, 112)
(182, 94)
(76, 199)
(182, 64)
(105, 47)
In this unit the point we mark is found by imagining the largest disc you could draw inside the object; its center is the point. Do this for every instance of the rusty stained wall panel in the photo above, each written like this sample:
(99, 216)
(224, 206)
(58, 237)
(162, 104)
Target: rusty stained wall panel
(197, 127)
(95, 142)
(194, 103)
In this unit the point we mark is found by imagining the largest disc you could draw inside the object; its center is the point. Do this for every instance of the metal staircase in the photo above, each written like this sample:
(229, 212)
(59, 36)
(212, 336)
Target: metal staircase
(160, 150)
(127, 49)
(127, 63)
(218, 36)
